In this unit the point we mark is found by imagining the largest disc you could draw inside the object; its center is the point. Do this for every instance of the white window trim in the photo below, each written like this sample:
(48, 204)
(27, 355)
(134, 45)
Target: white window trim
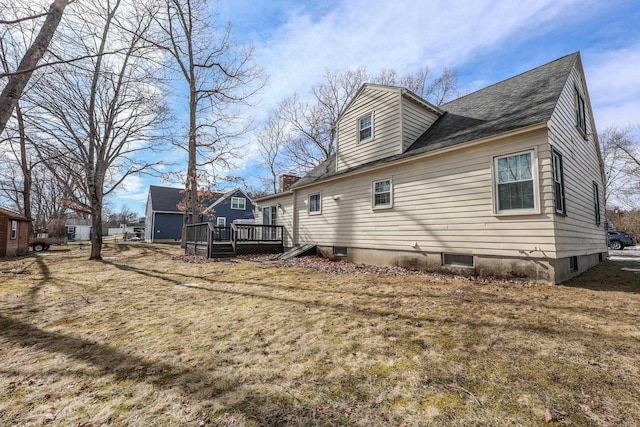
(224, 221)
(373, 194)
(272, 209)
(237, 199)
(534, 175)
(358, 127)
(555, 153)
(318, 212)
(13, 235)
(580, 112)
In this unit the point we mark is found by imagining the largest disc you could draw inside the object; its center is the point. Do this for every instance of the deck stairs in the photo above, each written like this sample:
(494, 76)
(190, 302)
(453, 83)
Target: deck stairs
(222, 250)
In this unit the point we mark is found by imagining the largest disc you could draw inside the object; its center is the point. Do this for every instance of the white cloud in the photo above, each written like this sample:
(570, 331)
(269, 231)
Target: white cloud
(404, 35)
(613, 78)
(133, 189)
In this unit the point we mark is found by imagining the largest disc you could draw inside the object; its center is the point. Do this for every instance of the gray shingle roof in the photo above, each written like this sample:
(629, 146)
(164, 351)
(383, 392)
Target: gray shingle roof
(166, 199)
(526, 99)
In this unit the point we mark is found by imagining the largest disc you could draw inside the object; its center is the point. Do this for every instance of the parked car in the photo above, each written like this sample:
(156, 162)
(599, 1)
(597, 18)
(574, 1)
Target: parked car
(618, 240)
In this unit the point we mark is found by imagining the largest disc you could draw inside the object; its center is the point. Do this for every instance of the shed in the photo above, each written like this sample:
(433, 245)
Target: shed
(14, 233)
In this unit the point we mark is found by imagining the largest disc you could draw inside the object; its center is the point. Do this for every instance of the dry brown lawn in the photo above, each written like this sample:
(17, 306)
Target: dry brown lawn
(142, 340)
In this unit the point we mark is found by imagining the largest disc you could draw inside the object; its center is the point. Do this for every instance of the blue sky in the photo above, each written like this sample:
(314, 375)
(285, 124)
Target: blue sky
(484, 41)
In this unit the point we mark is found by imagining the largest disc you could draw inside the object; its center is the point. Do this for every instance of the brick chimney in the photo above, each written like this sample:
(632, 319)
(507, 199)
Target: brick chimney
(286, 181)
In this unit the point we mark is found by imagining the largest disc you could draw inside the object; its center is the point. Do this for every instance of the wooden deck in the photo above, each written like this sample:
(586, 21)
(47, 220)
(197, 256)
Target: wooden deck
(212, 241)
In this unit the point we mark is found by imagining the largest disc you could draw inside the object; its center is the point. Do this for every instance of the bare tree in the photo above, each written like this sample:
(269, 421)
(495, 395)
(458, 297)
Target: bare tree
(311, 124)
(620, 150)
(21, 187)
(43, 192)
(630, 146)
(219, 75)
(96, 118)
(271, 140)
(16, 83)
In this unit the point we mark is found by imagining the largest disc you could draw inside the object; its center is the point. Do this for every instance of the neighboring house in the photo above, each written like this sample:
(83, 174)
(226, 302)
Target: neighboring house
(504, 181)
(14, 233)
(164, 220)
(78, 229)
(132, 230)
(232, 206)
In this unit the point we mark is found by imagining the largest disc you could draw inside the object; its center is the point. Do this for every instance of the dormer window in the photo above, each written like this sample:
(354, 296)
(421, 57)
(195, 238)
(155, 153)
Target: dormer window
(365, 128)
(581, 120)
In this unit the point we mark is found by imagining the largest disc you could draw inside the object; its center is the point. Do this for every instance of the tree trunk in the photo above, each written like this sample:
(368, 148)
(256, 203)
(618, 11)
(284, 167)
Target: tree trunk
(191, 196)
(96, 229)
(17, 82)
(26, 170)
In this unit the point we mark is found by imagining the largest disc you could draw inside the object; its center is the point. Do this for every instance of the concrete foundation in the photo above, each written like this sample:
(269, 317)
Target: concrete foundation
(540, 269)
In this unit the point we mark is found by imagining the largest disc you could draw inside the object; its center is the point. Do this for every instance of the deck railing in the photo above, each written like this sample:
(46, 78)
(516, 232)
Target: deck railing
(244, 238)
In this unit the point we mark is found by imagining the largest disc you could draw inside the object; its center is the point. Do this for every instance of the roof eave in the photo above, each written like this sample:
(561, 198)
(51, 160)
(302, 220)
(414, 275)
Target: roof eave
(274, 196)
(416, 157)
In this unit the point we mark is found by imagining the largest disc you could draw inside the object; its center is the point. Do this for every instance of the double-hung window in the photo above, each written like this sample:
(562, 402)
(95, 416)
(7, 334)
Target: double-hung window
(315, 204)
(581, 118)
(365, 127)
(596, 202)
(558, 182)
(514, 182)
(14, 229)
(239, 203)
(382, 193)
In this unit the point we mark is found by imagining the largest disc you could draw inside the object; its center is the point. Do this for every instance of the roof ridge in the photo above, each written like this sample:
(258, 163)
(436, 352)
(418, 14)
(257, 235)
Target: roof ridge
(576, 53)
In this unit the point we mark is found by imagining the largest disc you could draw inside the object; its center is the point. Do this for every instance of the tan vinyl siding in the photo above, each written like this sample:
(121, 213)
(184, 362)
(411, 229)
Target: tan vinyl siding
(416, 119)
(285, 215)
(385, 106)
(443, 203)
(577, 232)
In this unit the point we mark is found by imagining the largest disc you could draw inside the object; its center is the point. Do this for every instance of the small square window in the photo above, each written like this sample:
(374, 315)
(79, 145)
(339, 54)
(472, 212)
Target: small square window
(315, 204)
(365, 127)
(340, 251)
(239, 203)
(221, 221)
(382, 194)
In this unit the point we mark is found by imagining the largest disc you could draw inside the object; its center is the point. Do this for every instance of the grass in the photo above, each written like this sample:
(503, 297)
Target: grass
(140, 339)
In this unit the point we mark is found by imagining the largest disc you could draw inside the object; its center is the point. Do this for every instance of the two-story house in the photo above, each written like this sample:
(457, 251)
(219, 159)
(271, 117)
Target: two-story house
(164, 220)
(503, 181)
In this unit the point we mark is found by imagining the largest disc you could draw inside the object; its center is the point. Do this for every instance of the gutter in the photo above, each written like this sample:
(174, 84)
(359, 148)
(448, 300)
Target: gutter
(273, 196)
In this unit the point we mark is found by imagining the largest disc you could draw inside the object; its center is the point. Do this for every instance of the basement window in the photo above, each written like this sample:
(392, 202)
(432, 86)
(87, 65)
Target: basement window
(573, 264)
(457, 260)
(340, 250)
